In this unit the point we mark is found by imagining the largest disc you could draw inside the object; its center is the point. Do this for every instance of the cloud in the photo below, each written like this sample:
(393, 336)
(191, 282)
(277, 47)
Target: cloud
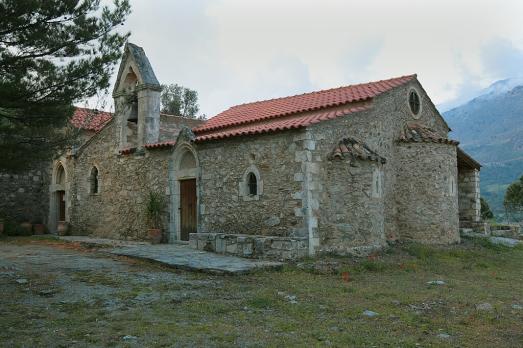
(502, 59)
(234, 51)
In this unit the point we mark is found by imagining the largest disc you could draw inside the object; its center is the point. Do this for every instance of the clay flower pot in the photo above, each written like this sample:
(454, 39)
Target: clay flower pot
(62, 228)
(154, 235)
(27, 228)
(39, 229)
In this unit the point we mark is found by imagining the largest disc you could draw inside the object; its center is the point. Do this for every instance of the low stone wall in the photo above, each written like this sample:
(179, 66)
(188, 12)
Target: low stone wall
(508, 231)
(24, 196)
(251, 246)
(475, 227)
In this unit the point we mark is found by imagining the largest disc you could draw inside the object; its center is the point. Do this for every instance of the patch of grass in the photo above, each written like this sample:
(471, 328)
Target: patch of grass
(487, 244)
(373, 265)
(253, 310)
(261, 302)
(97, 278)
(421, 252)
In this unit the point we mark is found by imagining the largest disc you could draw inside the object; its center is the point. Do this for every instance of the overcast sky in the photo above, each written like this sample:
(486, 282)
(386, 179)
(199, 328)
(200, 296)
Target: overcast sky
(237, 51)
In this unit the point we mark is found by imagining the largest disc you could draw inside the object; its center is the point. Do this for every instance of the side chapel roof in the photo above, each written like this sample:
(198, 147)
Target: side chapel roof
(350, 148)
(418, 133)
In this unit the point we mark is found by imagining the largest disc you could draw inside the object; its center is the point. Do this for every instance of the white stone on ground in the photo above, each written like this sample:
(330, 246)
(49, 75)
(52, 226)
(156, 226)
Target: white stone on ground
(484, 307)
(436, 282)
(370, 314)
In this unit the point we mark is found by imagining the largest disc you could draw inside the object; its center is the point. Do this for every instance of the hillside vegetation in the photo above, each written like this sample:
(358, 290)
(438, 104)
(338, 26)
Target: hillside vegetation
(490, 128)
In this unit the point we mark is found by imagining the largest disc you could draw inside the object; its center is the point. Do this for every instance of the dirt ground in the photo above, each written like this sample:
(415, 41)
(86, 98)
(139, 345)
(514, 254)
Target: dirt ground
(57, 294)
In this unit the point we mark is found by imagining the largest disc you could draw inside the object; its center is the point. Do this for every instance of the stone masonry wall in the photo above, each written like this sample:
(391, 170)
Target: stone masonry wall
(24, 195)
(125, 181)
(426, 193)
(352, 214)
(279, 209)
(251, 246)
(469, 202)
(379, 127)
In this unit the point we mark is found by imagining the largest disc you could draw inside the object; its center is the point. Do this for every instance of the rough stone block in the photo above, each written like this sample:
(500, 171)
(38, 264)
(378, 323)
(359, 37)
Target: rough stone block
(298, 177)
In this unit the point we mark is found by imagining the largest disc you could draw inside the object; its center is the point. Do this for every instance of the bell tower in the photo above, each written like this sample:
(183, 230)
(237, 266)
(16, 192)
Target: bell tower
(136, 100)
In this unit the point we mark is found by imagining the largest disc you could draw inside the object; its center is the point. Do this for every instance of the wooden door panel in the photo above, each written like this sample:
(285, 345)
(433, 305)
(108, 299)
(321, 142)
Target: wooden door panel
(187, 208)
(61, 205)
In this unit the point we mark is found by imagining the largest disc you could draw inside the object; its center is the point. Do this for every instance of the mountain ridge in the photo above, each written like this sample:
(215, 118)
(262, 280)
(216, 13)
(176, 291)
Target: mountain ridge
(490, 128)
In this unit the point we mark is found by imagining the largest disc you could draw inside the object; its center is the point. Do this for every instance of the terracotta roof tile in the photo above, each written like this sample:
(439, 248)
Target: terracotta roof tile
(160, 144)
(282, 123)
(90, 119)
(418, 133)
(352, 148)
(277, 108)
(127, 151)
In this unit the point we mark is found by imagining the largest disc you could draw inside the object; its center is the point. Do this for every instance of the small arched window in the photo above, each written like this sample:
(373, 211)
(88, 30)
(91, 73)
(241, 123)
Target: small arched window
(252, 182)
(94, 180)
(60, 175)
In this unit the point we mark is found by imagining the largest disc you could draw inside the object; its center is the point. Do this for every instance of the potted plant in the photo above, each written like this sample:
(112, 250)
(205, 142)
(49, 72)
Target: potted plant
(38, 228)
(153, 210)
(26, 228)
(62, 228)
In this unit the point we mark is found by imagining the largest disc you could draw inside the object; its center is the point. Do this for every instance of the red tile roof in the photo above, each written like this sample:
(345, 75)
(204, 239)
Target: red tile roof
(90, 119)
(418, 133)
(251, 118)
(282, 123)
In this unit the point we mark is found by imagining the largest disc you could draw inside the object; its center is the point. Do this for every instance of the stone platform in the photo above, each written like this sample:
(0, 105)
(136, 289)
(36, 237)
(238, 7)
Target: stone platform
(178, 256)
(251, 246)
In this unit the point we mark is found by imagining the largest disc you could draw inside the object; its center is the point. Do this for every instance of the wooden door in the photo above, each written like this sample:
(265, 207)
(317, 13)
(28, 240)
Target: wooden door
(61, 205)
(187, 208)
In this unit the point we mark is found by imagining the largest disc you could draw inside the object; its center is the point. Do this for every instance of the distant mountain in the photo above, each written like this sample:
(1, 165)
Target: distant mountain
(490, 128)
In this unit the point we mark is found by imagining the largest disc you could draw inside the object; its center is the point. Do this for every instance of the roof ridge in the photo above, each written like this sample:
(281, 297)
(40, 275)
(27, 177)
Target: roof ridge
(326, 90)
(317, 100)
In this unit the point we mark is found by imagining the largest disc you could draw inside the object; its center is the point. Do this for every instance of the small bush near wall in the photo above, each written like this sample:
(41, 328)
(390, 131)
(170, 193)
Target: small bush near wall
(11, 228)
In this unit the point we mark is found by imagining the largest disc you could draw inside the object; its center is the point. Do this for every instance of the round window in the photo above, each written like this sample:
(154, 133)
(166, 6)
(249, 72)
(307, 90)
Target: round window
(414, 102)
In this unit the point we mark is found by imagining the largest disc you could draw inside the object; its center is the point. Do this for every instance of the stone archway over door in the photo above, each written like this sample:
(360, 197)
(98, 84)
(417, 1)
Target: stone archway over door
(58, 197)
(184, 198)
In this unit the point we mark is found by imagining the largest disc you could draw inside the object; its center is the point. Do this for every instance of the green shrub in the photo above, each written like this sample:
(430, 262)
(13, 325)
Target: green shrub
(12, 228)
(422, 252)
(373, 266)
(487, 244)
(261, 302)
(154, 209)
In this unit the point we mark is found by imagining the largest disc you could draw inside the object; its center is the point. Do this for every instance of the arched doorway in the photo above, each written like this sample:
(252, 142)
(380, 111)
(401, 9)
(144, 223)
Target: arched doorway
(184, 201)
(58, 197)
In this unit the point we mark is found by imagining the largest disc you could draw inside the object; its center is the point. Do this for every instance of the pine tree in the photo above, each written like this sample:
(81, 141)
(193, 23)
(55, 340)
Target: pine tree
(486, 213)
(513, 201)
(53, 53)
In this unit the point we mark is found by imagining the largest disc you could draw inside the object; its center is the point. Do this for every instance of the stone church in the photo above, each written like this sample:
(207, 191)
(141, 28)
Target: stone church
(340, 171)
